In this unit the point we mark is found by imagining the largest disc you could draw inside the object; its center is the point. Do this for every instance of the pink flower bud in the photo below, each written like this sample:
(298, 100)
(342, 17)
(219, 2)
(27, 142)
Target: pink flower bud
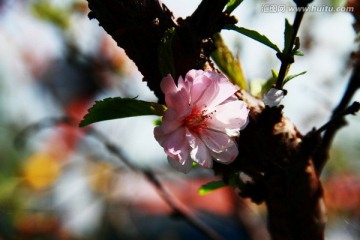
(273, 97)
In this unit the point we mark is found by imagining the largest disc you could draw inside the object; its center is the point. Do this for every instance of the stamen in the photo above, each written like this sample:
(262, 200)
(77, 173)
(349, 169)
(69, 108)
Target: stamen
(196, 120)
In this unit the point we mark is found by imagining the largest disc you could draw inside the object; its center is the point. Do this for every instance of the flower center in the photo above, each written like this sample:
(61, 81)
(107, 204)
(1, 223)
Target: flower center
(196, 120)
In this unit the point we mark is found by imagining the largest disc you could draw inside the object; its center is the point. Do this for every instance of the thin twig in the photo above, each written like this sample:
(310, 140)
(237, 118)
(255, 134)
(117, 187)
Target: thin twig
(329, 134)
(22, 136)
(178, 208)
(352, 109)
(287, 58)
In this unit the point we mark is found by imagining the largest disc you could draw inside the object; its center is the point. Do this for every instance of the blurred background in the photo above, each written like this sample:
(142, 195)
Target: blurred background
(61, 182)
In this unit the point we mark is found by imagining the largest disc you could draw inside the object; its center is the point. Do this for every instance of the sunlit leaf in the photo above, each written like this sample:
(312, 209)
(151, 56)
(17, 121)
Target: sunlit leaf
(270, 82)
(114, 108)
(157, 122)
(229, 65)
(256, 86)
(232, 5)
(254, 35)
(298, 53)
(288, 33)
(47, 11)
(274, 74)
(211, 186)
(288, 78)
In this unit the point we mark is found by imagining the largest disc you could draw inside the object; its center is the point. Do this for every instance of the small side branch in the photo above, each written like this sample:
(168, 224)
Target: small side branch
(178, 208)
(138, 27)
(208, 18)
(337, 119)
(287, 58)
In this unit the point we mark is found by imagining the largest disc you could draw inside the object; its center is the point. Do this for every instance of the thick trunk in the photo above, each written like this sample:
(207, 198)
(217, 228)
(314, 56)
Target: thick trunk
(296, 208)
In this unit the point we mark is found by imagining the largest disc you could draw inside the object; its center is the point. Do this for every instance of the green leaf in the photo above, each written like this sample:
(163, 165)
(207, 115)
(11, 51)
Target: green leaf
(231, 5)
(274, 74)
(114, 108)
(298, 53)
(288, 33)
(211, 186)
(229, 65)
(47, 11)
(254, 35)
(288, 78)
(256, 87)
(259, 88)
(270, 82)
(157, 122)
(166, 60)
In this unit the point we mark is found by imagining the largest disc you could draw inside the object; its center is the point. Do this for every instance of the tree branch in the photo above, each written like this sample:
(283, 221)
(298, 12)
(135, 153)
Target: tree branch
(178, 208)
(138, 27)
(287, 58)
(337, 119)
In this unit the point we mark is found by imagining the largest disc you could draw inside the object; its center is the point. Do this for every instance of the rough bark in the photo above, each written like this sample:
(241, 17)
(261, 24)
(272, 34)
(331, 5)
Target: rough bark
(139, 25)
(279, 161)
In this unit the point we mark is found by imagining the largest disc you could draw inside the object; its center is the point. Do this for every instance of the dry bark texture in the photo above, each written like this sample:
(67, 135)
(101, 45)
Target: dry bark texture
(138, 26)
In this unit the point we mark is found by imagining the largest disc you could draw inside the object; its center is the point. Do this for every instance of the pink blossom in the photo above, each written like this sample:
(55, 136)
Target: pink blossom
(202, 120)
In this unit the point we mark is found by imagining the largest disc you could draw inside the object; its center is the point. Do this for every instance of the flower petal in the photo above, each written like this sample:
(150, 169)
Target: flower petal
(177, 98)
(182, 84)
(199, 84)
(202, 119)
(171, 121)
(229, 117)
(225, 90)
(214, 140)
(227, 156)
(178, 101)
(182, 167)
(208, 94)
(168, 85)
(175, 144)
(159, 135)
(193, 74)
(200, 153)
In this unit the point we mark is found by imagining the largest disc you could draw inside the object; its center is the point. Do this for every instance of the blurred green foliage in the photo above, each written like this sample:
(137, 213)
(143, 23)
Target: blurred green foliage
(48, 12)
